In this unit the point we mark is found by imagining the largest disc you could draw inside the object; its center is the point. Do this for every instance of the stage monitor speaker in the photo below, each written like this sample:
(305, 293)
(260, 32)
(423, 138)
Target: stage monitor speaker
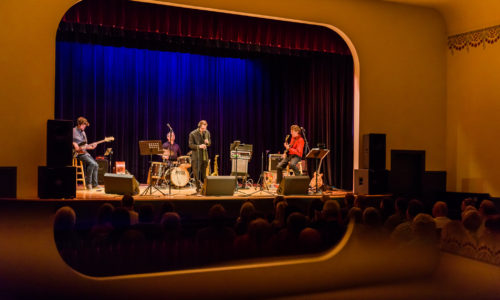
(122, 184)
(370, 182)
(56, 182)
(219, 186)
(59, 143)
(8, 182)
(294, 185)
(374, 151)
(407, 172)
(103, 168)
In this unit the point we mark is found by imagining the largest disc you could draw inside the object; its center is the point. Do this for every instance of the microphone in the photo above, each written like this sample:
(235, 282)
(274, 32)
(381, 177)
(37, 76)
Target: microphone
(169, 127)
(302, 128)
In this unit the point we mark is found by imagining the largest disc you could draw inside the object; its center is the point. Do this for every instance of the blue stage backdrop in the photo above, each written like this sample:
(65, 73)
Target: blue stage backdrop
(132, 94)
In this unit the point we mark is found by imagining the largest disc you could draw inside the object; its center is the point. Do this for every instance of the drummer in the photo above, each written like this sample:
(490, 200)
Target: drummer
(171, 150)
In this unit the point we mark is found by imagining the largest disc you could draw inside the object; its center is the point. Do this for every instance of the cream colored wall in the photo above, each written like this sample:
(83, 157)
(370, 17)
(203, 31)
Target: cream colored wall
(400, 48)
(473, 120)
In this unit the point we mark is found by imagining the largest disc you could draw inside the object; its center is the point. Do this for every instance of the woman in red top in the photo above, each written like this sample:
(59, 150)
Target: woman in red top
(293, 153)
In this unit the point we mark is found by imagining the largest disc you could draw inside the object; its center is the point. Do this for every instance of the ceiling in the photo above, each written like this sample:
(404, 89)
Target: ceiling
(462, 15)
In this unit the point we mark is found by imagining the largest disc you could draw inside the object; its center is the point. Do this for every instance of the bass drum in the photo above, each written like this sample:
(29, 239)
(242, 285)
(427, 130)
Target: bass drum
(179, 177)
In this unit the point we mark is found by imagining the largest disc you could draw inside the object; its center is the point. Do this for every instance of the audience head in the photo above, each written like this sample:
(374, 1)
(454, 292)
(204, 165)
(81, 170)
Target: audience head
(440, 209)
(278, 199)
(314, 209)
(65, 219)
(259, 231)
(325, 197)
(331, 210)
(310, 239)
(167, 206)
(487, 208)
(472, 220)
(493, 224)
(387, 205)
(104, 214)
(120, 218)
(128, 201)
(414, 208)
(171, 222)
(281, 211)
(468, 202)
(401, 205)
(146, 214)
(247, 211)
(349, 200)
(361, 201)
(295, 223)
(371, 217)
(356, 214)
(217, 215)
(424, 226)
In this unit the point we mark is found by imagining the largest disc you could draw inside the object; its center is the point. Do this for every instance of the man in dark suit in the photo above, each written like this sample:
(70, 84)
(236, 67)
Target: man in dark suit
(199, 141)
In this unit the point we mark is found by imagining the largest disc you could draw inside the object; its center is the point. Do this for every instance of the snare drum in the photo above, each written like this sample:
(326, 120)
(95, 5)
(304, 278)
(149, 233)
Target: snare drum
(179, 177)
(184, 162)
(157, 172)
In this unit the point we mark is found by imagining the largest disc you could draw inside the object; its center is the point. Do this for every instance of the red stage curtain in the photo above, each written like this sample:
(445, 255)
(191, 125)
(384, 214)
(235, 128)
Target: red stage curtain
(112, 18)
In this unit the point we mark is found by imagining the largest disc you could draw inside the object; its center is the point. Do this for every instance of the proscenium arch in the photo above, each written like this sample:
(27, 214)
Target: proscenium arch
(347, 40)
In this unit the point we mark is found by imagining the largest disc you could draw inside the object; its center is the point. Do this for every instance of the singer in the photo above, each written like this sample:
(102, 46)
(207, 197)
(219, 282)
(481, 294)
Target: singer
(199, 141)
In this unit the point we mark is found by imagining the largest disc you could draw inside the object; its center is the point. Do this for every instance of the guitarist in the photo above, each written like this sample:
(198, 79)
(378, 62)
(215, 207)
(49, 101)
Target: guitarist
(91, 166)
(293, 153)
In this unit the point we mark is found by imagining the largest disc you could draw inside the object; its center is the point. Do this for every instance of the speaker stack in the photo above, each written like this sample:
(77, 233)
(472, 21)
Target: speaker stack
(57, 179)
(372, 178)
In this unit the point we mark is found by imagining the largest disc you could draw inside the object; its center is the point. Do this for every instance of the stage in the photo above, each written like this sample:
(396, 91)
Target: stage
(189, 193)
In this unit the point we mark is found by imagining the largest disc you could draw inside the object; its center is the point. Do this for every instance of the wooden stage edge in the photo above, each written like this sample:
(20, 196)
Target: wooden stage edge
(188, 193)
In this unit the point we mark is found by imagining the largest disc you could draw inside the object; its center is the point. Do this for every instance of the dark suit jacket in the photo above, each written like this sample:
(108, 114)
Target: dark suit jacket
(195, 140)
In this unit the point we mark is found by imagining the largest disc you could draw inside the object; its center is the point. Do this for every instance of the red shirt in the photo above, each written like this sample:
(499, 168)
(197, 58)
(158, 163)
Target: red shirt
(296, 146)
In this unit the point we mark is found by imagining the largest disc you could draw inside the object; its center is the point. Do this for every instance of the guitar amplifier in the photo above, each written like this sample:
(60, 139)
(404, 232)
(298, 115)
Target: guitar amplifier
(103, 168)
(274, 159)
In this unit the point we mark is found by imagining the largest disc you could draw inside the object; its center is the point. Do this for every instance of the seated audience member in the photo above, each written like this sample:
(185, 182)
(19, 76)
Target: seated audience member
(172, 251)
(440, 213)
(288, 238)
(387, 208)
(128, 204)
(403, 232)
(361, 201)
(472, 221)
(452, 236)
(349, 200)
(167, 206)
(247, 214)
(64, 229)
(310, 240)
(215, 242)
(487, 209)
(489, 242)
(468, 202)
(330, 225)
(356, 214)
(120, 220)
(279, 221)
(314, 209)
(257, 242)
(401, 205)
(151, 230)
(100, 231)
(372, 225)
(424, 229)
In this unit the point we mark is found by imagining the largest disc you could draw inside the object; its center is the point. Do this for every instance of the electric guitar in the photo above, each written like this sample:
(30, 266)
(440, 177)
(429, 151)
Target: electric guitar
(84, 146)
(286, 142)
(216, 166)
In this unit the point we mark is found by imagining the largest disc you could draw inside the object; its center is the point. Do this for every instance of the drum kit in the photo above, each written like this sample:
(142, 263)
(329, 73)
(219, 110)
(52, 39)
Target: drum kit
(176, 172)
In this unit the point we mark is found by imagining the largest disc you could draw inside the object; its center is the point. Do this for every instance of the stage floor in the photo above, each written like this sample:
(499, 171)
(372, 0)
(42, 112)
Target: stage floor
(188, 193)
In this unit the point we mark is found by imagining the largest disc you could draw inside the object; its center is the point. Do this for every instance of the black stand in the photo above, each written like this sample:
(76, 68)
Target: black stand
(317, 154)
(261, 180)
(234, 147)
(150, 148)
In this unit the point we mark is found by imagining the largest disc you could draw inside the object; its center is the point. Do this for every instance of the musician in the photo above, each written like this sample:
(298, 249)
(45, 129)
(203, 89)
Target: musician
(199, 141)
(171, 149)
(293, 153)
(91, 166)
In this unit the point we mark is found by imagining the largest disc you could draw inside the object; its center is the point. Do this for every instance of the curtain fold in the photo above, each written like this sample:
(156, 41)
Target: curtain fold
(132, 94)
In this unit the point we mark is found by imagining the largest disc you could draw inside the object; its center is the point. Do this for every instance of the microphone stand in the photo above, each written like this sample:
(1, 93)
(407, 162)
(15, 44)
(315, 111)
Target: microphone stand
(261, 179)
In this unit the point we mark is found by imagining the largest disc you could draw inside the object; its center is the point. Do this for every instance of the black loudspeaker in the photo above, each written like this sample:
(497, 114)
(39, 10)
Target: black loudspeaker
(59, 143)
(56, 182)
(434, 184)
(407, 172)
(274, 160)
(122, 184)
(373, 151)
(371, 182)
(219, 186)
(294, 185)
(8, 182)
(103, 169)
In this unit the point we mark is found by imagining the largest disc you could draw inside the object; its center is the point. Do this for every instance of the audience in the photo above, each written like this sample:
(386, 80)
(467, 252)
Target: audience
(440, 213)
(400, 206)
(403, 232)
(128, 204)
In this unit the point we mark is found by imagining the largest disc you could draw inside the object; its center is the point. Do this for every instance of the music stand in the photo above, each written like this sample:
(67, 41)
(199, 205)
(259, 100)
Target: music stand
(150, 148)
(317, 153)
